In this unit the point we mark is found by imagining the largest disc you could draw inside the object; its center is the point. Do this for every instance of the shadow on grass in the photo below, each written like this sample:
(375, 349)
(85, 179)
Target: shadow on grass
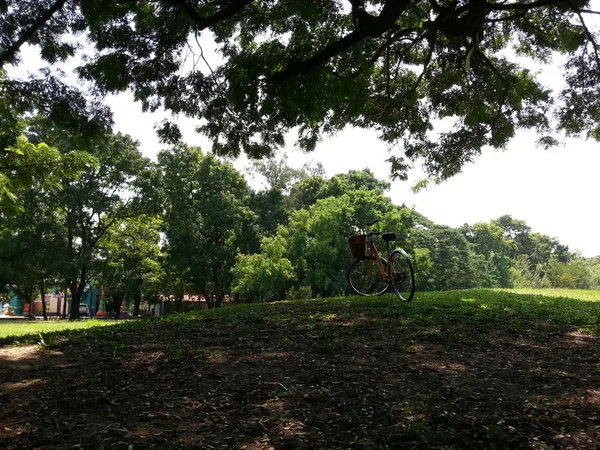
(461, 369)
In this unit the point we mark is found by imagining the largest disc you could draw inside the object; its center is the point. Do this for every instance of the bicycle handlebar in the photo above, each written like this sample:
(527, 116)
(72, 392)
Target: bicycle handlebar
(370, 224)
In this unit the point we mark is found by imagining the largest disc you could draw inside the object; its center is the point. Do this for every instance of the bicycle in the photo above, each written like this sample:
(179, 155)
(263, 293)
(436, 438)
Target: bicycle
(372, 275)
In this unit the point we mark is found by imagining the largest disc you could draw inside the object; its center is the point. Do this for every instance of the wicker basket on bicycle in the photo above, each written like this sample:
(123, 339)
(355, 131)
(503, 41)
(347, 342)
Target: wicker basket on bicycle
(358, 245)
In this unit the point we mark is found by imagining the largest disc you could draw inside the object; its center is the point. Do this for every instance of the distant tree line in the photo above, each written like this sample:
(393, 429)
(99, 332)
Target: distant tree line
(76, 211)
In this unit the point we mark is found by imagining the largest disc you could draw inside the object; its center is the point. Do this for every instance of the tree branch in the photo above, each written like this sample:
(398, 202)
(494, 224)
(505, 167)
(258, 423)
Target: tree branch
(203, 23)
(301, 67)
(523, 6)
(496, 72)
(426, 63)
(394, 38)
(101, 230)
(368, 26)
(9, 54)
(502, 19)
(589, 35)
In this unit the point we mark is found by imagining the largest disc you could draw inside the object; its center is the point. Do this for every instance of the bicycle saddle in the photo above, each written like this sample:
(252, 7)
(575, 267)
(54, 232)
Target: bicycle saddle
(387, 237)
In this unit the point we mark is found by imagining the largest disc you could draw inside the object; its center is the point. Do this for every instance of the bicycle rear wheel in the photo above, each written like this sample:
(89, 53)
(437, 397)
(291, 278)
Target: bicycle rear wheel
(402, 275)
(364, 277)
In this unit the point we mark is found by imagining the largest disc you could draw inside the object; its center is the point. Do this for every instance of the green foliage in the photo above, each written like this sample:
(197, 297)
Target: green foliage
(308, 190)
(130, 258)
(574, 275)
(300, 293)
(25, 165)
(318, 233)
(525, 276)
(423, 267)
(594, 267)
(490, 242)
(277, 174)
(69, 200)
(206, 217)
(450, 263)
(391, 66)
(266, 276)
(317, 244)
(222, 239)
(45, 95)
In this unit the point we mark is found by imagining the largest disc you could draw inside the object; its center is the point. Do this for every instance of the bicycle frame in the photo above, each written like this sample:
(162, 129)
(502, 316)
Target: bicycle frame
(374, 253)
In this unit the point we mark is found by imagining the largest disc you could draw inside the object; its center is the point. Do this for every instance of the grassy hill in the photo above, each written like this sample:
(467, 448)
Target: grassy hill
(458, 369)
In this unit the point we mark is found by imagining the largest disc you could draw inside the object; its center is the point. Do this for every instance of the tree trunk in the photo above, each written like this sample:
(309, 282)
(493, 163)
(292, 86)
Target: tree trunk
(42, 291)
(217, 285)
(76, 293)
(137, 298)
(31, 315)
(64, 311)
(214, 300)
(117, 302)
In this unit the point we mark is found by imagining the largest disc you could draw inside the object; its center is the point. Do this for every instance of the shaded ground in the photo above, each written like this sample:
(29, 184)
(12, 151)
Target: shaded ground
(338, 374)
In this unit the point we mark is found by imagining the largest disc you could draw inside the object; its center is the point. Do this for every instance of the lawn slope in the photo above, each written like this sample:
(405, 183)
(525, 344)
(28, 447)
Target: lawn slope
(461, 369)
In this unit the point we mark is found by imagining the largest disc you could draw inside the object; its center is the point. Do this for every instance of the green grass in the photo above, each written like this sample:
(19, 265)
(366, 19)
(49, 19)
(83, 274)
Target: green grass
(510, 309)
(485, 307)
(29, 331)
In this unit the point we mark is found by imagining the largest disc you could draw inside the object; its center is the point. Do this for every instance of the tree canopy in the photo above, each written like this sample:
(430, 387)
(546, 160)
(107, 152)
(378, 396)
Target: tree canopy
(395, 66)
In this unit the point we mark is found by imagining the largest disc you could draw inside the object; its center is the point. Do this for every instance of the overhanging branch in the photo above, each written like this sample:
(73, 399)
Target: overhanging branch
(300, 67)
(203, 23)
(368, 26)
(524, 6)
(9, 54)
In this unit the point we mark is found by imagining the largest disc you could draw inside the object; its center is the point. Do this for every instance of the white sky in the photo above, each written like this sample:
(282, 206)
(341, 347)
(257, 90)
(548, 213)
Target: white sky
(555, 191)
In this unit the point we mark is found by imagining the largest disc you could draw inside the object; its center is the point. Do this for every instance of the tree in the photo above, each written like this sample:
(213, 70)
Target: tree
(574, 275)
(594, 269)
(26, 247)
(306, 192)
(278, 175)
(450, 262)
(46, 94)
(270, 211)
(88, 206)
(317, 245)
(30, 236)
(391, 65)
(267, 275)
(489, 241)
(206, 209)
(310, 189)
(532, 251)
(129, 257)
(518, 232)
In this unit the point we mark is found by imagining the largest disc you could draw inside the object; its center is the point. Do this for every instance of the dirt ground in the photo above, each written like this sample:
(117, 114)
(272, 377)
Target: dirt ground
(334, 384)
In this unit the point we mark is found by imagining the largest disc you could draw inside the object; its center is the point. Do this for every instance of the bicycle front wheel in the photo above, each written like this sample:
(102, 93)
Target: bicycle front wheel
(402, 275)
(365, 278)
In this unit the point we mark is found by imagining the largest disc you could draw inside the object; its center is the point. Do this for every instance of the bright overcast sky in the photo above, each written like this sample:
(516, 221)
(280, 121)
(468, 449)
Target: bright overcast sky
(554, 191)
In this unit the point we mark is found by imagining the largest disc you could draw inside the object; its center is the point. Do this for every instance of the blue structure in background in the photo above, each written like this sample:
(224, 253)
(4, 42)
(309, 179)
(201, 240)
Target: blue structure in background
(16, 305)
(91, 297)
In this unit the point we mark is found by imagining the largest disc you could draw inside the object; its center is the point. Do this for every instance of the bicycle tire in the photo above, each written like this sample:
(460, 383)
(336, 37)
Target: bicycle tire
(365, 279)
(402, 275)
